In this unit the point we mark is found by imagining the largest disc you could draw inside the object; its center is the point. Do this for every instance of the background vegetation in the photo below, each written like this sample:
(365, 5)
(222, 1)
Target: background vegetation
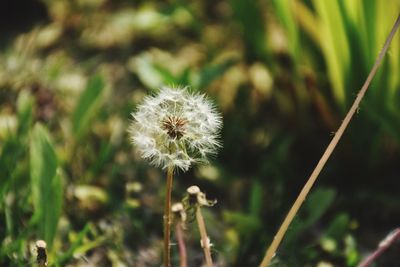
(283, 73)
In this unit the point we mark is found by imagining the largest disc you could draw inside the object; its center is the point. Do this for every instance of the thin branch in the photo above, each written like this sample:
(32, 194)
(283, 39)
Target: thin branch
(383, 246)
(310, 182)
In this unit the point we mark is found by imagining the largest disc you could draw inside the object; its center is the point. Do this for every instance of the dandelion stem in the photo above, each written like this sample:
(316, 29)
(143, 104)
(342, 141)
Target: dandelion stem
(383, 246)
(181, 243)
(205, 242)
(167, 218)
(307, 187)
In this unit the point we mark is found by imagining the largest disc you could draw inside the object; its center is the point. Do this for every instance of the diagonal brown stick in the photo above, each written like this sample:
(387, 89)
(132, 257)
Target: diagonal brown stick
(307, 187)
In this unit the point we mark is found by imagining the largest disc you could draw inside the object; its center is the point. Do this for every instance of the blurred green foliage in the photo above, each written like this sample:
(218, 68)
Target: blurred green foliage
(47, 195)
(283, 73)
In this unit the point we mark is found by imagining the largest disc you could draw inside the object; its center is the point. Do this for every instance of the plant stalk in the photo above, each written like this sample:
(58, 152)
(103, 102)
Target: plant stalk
(204, 237)
(310, 182)
(167, 218)
(181, 243)
(383, 246)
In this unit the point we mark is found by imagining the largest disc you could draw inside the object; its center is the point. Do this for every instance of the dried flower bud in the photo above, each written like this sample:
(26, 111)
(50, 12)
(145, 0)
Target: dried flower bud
(41, 258)
(195, 198)
(179, 211)
(193, 190)
(203, 201)
(177, 207)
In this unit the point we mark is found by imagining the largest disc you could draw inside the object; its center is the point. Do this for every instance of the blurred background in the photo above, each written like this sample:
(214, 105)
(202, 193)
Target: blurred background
(283, 73)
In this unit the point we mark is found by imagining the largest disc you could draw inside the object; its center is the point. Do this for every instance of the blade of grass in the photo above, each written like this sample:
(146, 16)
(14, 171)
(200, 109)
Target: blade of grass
(358, 33)
(13, 149)
(77, 243)
(384, 12)
(370, 19)
(307, 21)
(46, 184)
(314, 175)
(88, 103)
(335, 46)
(248, 14)
(284, 11)
(210, 73)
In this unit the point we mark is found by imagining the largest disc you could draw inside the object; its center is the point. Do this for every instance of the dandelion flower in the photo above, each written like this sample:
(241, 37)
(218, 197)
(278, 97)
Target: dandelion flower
(176, 128)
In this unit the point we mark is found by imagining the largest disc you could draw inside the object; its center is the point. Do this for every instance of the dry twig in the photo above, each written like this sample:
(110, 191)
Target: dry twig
(314, 175)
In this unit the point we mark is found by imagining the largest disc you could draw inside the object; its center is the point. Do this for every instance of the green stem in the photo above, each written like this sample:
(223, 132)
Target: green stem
(167, 218)
(307, 187)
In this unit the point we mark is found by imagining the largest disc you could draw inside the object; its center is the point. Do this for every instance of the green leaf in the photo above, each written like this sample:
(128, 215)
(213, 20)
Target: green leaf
(46, 184)
(284, 12)
(88, 104)
(317, 204)
(351, 251)
(12, 151)
(210, 73)
(244, 223)
(147, 72)
(76, 243)
(167, 77)
(248, 14)
(314, 207)
(335, 46)
(256, 199)
(338, 228)
(24, 107)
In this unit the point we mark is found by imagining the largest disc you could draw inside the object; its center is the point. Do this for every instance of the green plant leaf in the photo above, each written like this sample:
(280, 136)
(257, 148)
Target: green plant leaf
(24, 107)
(255, 203)
(244, 223)
(285, 14)
(210, 73)
(337, 229)
(335, 46)
(167, 77)
(88, 104)
(46, 184)
(317, 204)
(14, 147)
(76, 243)
(247, 13)
(150, 75)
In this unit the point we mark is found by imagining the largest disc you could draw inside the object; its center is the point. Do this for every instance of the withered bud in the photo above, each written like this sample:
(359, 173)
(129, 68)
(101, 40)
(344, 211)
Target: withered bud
(41, 258)
(198, 197)
(179, 211)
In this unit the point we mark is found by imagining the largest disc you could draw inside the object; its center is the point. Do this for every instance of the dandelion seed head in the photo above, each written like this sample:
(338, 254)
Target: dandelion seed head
(176, 128)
